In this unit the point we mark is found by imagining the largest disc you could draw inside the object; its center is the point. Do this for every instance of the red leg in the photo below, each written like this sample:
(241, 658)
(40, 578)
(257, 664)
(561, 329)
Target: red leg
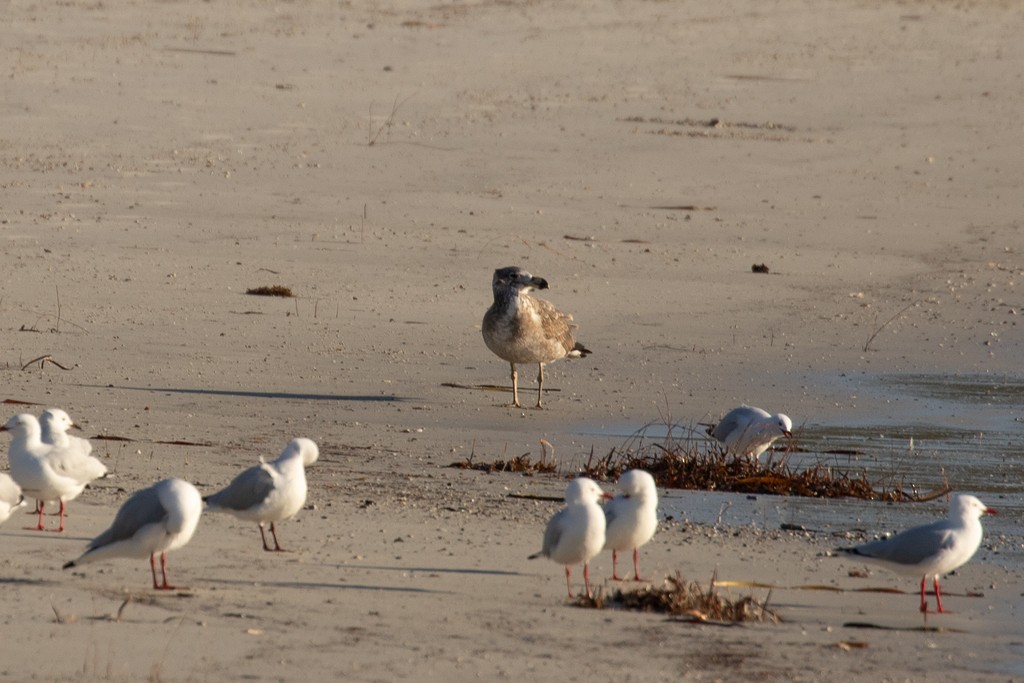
(152, 568)
(615, 571)
(636, 565)
(163, 571)
(924, 602)
(568, 580)
(60, 529)
(40, 506)
(586, 578)
(273, 532)
(938, 597)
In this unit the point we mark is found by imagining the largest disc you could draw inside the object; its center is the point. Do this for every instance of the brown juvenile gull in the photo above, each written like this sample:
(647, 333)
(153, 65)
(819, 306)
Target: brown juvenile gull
(519, 328)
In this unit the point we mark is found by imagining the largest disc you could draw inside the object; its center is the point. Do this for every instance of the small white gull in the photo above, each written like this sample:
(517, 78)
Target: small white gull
(10, 497)
(932, 549)
(575, 533)
(154, 520)
(74, 451)
(520, 328)
(749, 431)
(269, 492)
(55, 424)
(44, 471)
(632, 518)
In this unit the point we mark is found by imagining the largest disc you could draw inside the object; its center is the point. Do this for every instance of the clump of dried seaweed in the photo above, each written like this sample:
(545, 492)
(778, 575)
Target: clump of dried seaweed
(688, 600)
(521, 464)
(273, 290)
(686, 467)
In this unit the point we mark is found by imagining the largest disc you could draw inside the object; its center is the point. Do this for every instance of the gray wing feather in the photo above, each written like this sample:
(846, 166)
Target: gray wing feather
(911, 546)
(736, 419)
(553, 532)
(248, 489)
(611, 511)
(721, 430)
(144, 507)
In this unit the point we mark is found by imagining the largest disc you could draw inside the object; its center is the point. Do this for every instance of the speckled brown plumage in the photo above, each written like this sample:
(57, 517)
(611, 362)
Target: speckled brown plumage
(520, 328)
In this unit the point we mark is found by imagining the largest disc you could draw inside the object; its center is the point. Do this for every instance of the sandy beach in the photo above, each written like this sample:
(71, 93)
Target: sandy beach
(381, 159)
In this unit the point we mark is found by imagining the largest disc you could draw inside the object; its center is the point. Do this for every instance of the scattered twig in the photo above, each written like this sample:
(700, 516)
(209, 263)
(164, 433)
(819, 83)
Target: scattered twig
(544, 445)
(58, 308)
(389, 122)
(531, 496)
(881, 327)
(43, 360)
(61, 619)
(120, 610)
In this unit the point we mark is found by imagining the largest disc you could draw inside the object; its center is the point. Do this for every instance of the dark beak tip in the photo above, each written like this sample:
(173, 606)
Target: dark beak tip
(540, 283)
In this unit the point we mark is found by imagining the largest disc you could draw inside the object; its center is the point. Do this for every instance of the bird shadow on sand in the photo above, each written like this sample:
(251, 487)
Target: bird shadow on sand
(437, 570)
(924, 628)
(238, 393)
(315, 585)
(11, 581)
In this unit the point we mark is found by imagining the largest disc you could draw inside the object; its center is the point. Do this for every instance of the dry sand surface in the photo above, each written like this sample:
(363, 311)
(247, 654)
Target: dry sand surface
(381, 159)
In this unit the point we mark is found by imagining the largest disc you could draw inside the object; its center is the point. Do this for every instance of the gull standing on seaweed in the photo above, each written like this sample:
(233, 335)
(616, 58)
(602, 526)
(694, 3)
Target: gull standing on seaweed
(575, 533)
(10, 497)
(749, 431)
(154, 520)
(932, 549)
(44, 471)
(269, 492)
(520, 328)
(632, 518)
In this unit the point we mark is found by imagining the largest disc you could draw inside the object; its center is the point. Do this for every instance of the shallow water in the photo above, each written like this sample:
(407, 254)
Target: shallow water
(931, 431)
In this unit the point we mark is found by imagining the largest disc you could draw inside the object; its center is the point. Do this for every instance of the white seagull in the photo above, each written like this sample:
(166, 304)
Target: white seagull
(519, 328)
(154, 520)
(932, 549)
(45, 471)
(55, 424)
(575, 533)
(749, 431)
(632, 518)
(269, 492)
(10, 497)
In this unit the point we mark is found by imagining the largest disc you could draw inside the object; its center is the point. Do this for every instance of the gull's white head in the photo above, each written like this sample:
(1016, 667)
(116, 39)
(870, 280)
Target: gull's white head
(638, 484)
(22, 424)
(56, 420)
(583, 491)
(784, 424)
(302, 448)
(968, 507)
